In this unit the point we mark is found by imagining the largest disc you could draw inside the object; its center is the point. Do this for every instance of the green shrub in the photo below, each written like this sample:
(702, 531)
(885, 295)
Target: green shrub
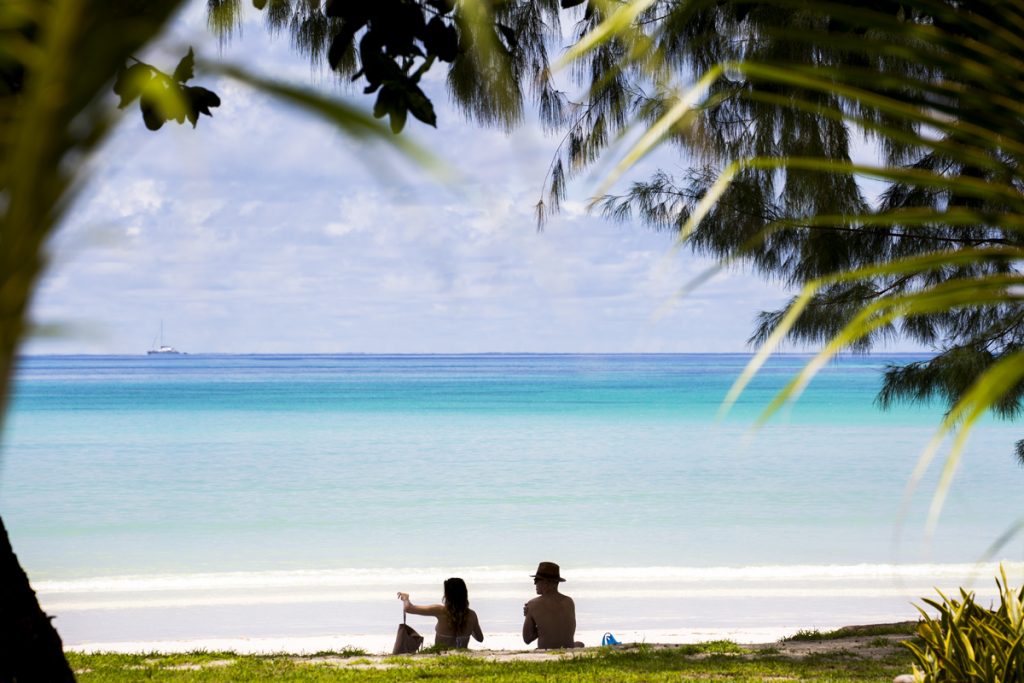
(803, 634)
(908, 628)
(968, 642)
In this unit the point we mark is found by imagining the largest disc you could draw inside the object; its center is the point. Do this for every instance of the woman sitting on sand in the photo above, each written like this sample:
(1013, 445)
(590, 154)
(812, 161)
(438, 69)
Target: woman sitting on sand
(456, 622)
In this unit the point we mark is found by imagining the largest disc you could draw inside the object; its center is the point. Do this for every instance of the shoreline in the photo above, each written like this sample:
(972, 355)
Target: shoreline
(796, 640)
(304, 612)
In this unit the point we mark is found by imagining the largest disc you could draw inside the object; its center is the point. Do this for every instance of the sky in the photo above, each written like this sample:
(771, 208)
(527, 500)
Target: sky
(264, 230)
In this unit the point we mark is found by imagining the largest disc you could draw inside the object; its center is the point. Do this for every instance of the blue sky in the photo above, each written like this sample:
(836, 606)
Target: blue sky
(265, 231)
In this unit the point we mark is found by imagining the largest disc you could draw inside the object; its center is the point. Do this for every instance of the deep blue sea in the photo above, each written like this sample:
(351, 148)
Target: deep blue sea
(350, 466)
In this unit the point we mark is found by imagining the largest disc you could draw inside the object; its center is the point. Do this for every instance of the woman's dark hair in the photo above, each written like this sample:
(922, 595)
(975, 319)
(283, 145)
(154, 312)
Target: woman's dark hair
(456, 601)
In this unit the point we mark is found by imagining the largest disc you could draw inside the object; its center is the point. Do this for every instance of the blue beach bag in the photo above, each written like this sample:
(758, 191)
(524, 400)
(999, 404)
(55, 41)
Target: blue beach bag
(609, 639)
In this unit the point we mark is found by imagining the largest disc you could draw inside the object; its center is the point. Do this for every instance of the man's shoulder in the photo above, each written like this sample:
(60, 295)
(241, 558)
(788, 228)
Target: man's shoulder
(551, 599)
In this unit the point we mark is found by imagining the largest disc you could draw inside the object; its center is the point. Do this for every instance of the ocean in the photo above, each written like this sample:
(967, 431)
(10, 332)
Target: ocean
(279, 502)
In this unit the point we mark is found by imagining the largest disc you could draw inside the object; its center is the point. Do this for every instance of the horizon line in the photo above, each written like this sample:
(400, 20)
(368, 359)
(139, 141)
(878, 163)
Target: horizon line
(201, 354)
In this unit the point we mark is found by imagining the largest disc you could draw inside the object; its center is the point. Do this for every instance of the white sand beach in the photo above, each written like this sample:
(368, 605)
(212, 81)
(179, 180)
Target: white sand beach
(305, 612)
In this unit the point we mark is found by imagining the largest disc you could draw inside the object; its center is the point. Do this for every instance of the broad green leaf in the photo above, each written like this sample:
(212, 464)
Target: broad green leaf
(130, 83)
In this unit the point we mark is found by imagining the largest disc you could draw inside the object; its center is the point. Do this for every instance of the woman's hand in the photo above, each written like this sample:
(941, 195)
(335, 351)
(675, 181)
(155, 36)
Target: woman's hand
(404, 597)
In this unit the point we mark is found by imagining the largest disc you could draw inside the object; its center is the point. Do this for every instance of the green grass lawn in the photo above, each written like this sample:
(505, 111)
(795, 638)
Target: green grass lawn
(863, 660)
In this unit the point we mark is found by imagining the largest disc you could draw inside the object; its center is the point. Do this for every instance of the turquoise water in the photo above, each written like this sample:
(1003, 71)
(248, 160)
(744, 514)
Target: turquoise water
(121, 465)
(278, 502)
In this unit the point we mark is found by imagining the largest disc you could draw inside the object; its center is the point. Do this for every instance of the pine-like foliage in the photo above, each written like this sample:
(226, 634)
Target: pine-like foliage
(935, 86)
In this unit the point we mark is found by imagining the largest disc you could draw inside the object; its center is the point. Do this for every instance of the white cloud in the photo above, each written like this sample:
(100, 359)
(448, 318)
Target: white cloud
(131, 198)
(339, 229)
(263, 230)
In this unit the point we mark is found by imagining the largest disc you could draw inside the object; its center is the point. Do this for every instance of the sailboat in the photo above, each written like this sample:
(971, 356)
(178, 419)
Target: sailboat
(163, 349)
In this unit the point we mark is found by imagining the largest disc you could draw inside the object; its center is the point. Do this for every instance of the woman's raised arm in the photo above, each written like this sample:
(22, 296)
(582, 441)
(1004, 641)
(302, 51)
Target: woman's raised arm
(423, 610)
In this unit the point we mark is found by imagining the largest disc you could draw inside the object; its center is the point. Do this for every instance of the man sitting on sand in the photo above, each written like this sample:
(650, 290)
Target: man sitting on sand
(550, 617)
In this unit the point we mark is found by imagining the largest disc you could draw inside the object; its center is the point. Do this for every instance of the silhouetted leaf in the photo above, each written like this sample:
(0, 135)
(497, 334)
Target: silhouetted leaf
(186, 67)
(402, 27)
(199, 100)
(355, 12)
(259, 4)
(376, 66)
(151, 114)
(419, 105)
(130, 82)
(398, 120)
(441, 40)
(393, 101)
(385, 103)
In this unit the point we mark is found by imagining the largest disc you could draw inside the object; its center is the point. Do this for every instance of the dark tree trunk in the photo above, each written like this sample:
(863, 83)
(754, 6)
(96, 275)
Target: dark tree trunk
(63, 93)
(30, 649)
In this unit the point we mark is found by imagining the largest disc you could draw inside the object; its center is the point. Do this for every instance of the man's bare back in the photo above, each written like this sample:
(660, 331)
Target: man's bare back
(550, 618)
